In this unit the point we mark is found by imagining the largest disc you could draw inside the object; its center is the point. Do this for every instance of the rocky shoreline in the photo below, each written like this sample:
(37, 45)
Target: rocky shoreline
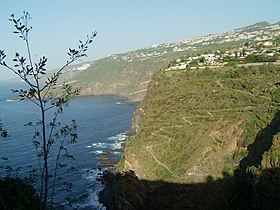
(121, 190)
(107, 176)
(105, 159)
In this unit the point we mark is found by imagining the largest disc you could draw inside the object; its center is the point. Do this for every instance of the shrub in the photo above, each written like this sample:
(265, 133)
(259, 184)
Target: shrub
(16, 194)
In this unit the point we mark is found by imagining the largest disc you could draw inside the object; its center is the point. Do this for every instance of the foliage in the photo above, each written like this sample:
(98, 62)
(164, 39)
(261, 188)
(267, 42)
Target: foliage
(271, 158)
(208, 122)
(275, 95)
(201, 122)
(119, 193)
(16, 194)
(39, 91)
(256, 58)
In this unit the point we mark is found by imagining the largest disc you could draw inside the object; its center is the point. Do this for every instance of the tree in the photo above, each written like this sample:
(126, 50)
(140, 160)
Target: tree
(243, 52)
(202, 59)
(15, 193)
(246, 44)
(39, 91)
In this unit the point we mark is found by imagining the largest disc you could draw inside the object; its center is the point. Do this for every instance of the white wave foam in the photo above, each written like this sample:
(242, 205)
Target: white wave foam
(97, 152)
(92, 201)
(101, 145)
(113, 142)
(119, 137)
(116, 145)
(11, 100)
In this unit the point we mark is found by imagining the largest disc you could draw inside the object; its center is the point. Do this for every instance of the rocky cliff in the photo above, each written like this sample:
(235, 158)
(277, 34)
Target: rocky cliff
(207, 139)
(115, 76)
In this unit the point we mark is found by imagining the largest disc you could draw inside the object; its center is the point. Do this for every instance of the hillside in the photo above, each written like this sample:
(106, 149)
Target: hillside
(118, 77)
(205, 139)
(128, 74)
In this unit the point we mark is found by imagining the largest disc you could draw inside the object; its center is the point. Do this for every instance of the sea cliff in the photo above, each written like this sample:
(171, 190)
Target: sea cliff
(203, 139)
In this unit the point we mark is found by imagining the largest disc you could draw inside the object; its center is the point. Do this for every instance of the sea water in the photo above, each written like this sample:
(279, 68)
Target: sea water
(101, 122)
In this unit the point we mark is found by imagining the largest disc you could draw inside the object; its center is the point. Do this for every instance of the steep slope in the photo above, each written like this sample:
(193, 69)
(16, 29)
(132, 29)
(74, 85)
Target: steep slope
(120, 77)
(116, 75)
(195, 122)
(200, 135)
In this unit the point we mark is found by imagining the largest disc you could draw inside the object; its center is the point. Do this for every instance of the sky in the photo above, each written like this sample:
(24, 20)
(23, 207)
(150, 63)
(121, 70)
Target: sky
(122, 25)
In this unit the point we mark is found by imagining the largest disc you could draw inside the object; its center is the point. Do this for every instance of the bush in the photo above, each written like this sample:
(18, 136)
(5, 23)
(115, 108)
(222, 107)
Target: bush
(276, 95)
(16, 194)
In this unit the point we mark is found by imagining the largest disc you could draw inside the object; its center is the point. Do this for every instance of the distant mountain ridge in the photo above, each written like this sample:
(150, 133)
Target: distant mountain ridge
(128, 74)
(262, 23)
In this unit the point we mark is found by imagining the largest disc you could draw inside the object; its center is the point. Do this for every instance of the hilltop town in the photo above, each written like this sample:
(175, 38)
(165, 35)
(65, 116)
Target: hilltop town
(128, 74)
(260, 38)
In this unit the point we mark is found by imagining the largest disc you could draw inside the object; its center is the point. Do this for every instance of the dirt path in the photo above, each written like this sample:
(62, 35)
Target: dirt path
(190, 123)
(193, 171)
(162, 164)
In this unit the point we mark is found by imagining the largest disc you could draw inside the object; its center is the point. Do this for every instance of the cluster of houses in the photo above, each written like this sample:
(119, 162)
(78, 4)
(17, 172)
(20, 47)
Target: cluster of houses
(255, 32)
(259, 34)
(129, 57)
(218, 58)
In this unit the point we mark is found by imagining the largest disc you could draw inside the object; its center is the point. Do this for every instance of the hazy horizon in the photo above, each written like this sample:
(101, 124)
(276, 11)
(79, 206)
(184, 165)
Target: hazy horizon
(122, 26)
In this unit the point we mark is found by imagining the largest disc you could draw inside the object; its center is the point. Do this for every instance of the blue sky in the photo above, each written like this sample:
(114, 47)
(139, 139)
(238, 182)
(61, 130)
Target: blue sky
(123, 25)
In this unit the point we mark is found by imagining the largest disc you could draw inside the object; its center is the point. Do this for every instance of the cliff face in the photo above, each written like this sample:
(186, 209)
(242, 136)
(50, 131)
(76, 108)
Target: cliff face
(116, 76)
(205, 133)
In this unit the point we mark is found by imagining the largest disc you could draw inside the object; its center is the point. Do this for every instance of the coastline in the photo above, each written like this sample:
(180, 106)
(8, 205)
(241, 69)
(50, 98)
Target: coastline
(83, 109)
(104, 171)
(107, 176)
(108, 161)
(129, 100)
(115, 183)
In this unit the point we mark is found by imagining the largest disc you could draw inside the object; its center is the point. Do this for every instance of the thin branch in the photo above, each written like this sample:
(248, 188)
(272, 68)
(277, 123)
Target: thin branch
(56, 168)
(49, 108)
(79, 54)
(32, 100)
(24, 78)
(51, 131)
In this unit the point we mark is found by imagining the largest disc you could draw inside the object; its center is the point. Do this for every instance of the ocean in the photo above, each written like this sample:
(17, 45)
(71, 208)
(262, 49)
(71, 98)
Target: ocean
(102, 124)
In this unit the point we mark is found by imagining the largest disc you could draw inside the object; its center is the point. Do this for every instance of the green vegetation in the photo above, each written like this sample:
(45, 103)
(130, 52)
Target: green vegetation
(128, 74)
(117, 76)
(256, 58)
(17, 194)
(212, 127)
(220, 110)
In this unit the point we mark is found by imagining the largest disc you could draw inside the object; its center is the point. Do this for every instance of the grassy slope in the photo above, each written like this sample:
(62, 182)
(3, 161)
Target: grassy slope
(197, 124)
(206, 139)
(109, 76)
(117, 76)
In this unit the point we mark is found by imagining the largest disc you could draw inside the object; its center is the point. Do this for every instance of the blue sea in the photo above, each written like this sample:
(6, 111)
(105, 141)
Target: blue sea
(101, 120)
